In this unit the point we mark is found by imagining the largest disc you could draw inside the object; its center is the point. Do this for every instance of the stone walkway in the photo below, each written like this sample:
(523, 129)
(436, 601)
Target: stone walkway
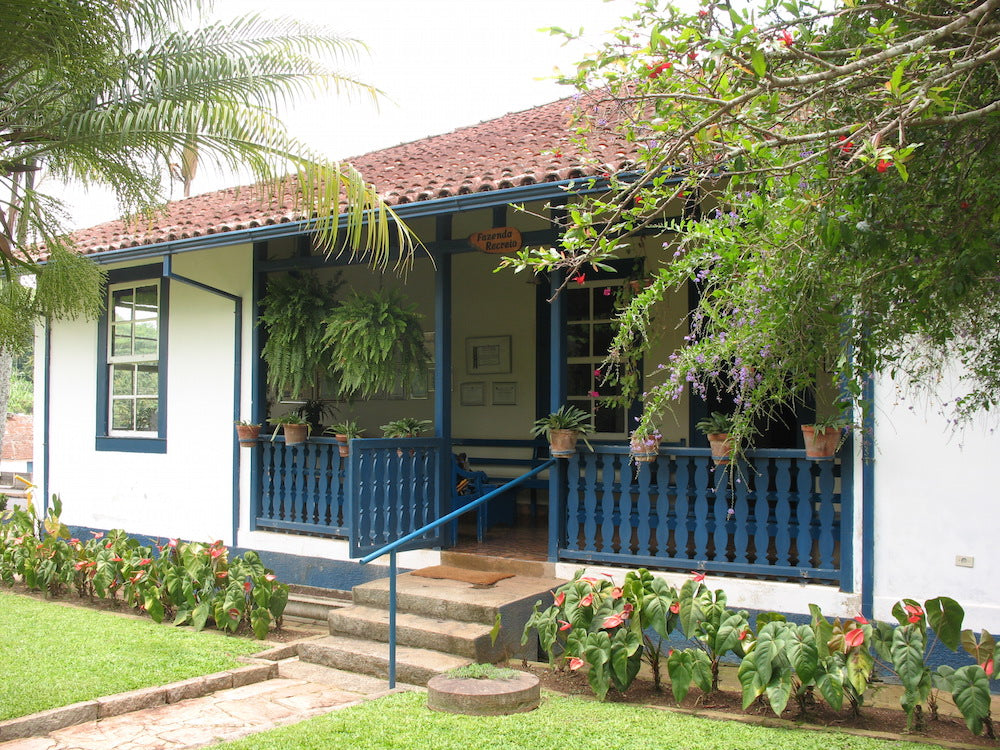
(301, 690)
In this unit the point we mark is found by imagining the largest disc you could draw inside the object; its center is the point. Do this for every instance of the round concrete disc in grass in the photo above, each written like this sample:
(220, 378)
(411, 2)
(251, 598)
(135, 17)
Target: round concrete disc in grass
(483, 697)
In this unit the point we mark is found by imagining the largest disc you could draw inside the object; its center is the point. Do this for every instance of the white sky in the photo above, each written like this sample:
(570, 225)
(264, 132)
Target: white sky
(443, 64)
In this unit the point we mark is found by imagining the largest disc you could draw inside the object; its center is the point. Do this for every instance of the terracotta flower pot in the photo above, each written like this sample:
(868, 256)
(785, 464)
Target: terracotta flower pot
(295, 433)
(645, 450)
(342, 446)
(562, 443)
(721, 447)
(248, 434)
(820, 445)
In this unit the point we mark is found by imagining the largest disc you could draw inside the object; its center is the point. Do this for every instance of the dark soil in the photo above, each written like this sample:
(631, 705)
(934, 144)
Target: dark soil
(947, 729)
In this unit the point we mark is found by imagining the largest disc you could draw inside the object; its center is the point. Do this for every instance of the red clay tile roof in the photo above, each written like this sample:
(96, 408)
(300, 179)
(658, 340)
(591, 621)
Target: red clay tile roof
(517, 149)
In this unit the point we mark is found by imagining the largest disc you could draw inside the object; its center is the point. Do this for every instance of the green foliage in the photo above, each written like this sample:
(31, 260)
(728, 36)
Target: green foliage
(292, 312)
(715, 423)
(375, 343)
(482, 672)
(187, 582)
(407, 427)
(566, 418)
(823, 176)
(109, 93)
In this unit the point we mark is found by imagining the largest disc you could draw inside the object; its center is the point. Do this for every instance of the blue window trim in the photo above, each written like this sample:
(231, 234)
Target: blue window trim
(152, 444)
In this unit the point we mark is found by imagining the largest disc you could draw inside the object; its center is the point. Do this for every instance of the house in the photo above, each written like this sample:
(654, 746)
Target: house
(136, 411)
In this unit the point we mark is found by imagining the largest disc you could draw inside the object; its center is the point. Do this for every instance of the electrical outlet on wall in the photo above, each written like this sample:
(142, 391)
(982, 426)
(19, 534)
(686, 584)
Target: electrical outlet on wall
(964, 561)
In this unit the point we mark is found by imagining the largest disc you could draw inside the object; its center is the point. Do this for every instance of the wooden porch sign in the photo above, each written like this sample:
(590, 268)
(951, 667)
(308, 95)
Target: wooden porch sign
(496, 241)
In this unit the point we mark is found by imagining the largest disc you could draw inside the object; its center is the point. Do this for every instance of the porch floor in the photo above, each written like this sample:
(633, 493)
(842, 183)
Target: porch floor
(521, 542)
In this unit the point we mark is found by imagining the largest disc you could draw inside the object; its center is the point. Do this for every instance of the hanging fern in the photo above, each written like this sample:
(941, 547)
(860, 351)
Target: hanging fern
(376, 343)
(292, 314)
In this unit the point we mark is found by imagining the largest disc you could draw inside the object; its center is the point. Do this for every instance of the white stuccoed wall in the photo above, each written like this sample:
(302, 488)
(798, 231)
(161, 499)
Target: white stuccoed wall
(936, 497)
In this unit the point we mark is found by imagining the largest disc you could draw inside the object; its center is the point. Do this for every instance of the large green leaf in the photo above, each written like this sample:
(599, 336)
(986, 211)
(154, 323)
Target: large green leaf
(971, 692)
(803, 654)
(945, 615)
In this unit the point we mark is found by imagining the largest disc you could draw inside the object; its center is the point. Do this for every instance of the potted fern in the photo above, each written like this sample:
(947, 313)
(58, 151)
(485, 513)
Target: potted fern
(563, 428)
(374, 342)
(716, 428)
(292, 313)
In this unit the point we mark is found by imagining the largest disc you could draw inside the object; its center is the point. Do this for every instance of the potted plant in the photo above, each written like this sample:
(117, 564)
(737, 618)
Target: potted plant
(824, 437)
(292, 312)
(716, 428)
(407, 427)
(343, 432)
(562, 428)
(293, 425)
(644, 444)
(313, 410)
(247, 432)
(375, 343)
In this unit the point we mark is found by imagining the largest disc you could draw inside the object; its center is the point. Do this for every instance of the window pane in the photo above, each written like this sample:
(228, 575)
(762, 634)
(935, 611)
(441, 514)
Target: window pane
(121, 414)
(603, 333)
(122, 381)
(121, 303)
(604, 302)
(578, 381)
(577, 304)
(146, 337)
(145, 414)
(145, 302)
(121, 344)
(586, 405)
(610, 419)
(147, 380)
(578, 340)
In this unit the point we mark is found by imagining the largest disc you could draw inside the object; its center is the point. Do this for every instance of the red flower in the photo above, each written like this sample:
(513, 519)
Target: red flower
(580, 278)
(575, 663)
(587, 600)
(233, 612)
(744, 633)
(222, 574)
(614, 621)
(628, 609)
(845, 145)
(964, 205)
(109, 545)
(675, 607)
(692, 55)
(854, 637)
(81, 565)
(269, 576)
(883, 165)
(697, 577)
(988, 667)
(97, 534)
(216, 552)
(116, 559)
(616, 592)
(702, 13)
(563, 625)
(246, 586)
(591, 580)
(915, 612)
(172, 543)
(146, 561)
(74, 541)
(137, 576)
(786, 37)
(655, 70)
(861, 619)
(559, 598)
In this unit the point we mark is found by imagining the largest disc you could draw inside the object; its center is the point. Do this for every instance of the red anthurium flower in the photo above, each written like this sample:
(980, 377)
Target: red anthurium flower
(964, 205)
(559, 598)
(861, 619)
(786, 38)
(216, 552)
(246, 586)
(988, 667)
(616, 592)
(172, 543)
(854, 637)
(270, 577)
(74, 541)
(97, 534)
(575, 663)
(563, 625)
(81, 565)
(883, 165)
(915, 612)
(580, 278)
(591, 580)
(146, 561)
(614, 620)
(109, 545)
(233, 612)
(587, 600)
(222, 574)
(116, 559)
(744, 633)
(628, 609)
(137, 576)
(675, 607)
(698, 577)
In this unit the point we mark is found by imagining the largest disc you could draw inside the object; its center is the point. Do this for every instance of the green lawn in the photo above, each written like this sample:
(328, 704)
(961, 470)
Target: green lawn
(52, 655)
(403, 721)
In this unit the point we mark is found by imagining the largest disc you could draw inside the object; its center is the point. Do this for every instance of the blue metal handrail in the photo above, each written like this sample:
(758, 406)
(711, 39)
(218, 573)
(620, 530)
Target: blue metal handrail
(393, 546)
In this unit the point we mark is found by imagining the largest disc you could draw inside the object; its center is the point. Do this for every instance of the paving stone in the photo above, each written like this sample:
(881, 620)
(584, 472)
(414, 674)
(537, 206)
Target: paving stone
(135, 700)
(179, 691)
(253, 673)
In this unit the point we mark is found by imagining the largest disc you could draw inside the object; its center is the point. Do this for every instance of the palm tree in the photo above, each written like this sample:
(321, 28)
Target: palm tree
(116, 93)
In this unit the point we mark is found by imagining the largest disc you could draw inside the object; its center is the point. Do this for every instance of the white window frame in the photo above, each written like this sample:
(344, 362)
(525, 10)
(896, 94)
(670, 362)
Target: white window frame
(112, 359)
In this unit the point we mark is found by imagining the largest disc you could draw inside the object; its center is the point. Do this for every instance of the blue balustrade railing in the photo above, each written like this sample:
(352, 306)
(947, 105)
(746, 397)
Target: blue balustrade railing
(301, 487)
(778, 515)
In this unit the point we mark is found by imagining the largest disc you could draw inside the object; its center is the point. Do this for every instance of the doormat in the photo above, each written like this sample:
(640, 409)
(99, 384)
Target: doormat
(451, 573)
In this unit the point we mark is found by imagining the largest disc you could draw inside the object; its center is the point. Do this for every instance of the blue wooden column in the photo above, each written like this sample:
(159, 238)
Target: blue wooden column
(442, 364)
(557, 397)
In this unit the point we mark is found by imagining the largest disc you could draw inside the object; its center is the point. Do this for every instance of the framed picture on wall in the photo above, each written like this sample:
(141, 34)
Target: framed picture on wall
(504, 393)
(473, 393)
(486, 355)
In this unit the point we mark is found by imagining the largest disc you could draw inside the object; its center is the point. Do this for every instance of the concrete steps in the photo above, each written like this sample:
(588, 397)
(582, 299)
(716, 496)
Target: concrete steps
(311, 603)
(440, 624)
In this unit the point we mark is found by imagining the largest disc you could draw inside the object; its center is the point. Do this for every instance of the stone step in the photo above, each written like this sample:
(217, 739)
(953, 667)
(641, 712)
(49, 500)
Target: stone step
(467, 639)
(476, 561)
(440, 599)
(415, 666)
(311, 603)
